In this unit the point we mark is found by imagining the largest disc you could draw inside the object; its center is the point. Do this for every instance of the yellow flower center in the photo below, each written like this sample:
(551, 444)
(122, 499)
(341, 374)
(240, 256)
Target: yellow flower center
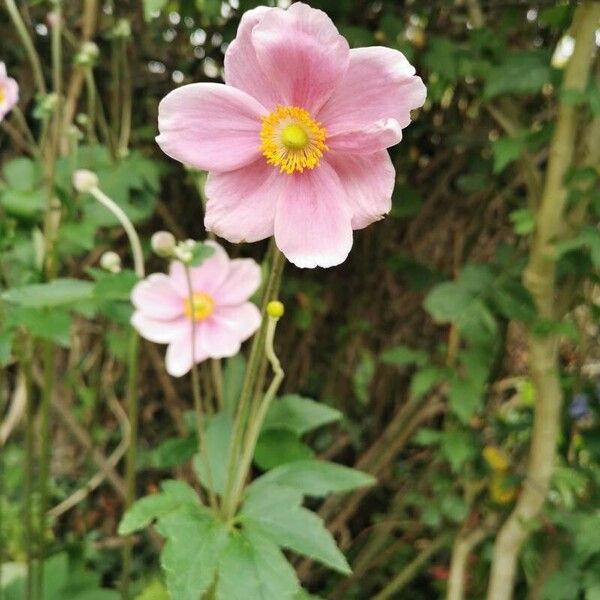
(2, 94)
(199, 307)
(292, 140)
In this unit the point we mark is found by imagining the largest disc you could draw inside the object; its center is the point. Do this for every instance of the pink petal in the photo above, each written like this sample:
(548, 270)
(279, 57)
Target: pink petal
(210, 126)
(313, 220)
(241, 65)
(229, 326)
(11, 95)
(368, 181)
(241, 203)
(160, 331)
(371, 138)
(302, 53)
(178, 360)
(242, 281)
(155, 296)
(205, 278)
(379, 84)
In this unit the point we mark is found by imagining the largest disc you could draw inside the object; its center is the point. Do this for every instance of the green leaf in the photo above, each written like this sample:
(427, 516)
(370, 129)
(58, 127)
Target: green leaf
(425, 379)
(454, 508)
(363, 376)
(315, 477)
(155, 591)
(513, 301)
(218, 435)
(457, 447)
(506, 150)
(200, 253)
(299, 414)
(253, 567)
(233, 379)
(277, 513)
(58, 292)
(172, 452)
(523, 221)
(191, 555)
(465, 397)
(280, 446)
(151, 7)
(22, 174)
(403, 355)
(173, 496)
(521, 73)
(44, 323)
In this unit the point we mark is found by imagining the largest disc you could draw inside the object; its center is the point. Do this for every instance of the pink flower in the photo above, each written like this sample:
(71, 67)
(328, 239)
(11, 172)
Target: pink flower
(295, 141)
(223, 316)
(9, 92)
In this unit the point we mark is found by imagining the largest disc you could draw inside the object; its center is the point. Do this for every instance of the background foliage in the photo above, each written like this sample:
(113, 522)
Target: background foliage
(415, 348)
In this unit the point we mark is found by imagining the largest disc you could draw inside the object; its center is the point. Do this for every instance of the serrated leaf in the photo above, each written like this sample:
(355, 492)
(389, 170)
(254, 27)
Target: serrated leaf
(174, 495)
(277, 513)
(252, 566)
(277, 447)
(191, 555)
(315, 477)
(299, 414)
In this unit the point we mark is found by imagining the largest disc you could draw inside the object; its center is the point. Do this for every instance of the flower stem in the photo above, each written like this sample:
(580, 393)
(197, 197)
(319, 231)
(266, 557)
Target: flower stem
(130, 469)
(257, 420)
(134, 240)
(252, 370)
(34, 59)
(200, 431)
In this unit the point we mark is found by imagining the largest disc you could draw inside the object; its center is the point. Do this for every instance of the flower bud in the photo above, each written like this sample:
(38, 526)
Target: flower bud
(183, 253)
(88, 54)
(163, 243)
(122, 29)
(275, 309)
(84, 180)
(111, 261)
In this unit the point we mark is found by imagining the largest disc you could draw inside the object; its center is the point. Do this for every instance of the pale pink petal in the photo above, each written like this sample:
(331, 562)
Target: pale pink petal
(2, 71)
(229, 326)
(241, 203)
(10, 91)
(371, 138)
(241, 65)
(205, 278)
(242, 281)
(368, 182)
(313, 220)
(178, 360)
(160, 331)
(379, 84)
(302, 54)
(155, 296)
(210, 126)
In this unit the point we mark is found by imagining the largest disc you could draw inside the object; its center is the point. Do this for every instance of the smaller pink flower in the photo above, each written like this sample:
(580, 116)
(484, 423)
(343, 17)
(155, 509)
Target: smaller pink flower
(9, 92)
(223, 316)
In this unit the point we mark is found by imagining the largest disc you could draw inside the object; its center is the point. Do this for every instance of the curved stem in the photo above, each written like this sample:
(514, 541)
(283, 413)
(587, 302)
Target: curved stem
(34, 59)
(257, 420)
(250, 378)
(540, 279)
(134, 240)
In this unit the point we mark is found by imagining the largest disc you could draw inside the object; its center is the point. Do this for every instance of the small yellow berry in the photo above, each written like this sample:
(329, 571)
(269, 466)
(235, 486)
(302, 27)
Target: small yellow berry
(496, 458)
(275, 309)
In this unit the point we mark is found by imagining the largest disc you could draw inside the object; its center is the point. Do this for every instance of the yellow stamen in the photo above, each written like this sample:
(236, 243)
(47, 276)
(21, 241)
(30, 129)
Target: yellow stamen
(292, 140)
(2, 94)
(203, 304)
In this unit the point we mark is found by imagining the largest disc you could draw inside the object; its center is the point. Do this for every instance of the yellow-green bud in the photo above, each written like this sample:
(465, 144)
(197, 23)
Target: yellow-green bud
(275, 309)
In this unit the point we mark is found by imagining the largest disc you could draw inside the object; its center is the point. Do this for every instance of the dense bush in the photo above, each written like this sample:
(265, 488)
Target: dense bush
(436, 432)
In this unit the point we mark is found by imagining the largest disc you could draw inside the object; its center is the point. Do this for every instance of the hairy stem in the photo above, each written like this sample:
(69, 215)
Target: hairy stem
(540, 279)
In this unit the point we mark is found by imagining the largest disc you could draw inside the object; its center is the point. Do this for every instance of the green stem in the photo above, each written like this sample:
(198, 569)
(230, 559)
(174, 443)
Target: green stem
(29, 460)
(125, 103)
(257, 420)
(252, 370)
(130, 469)
(34, 59)
(200, 430)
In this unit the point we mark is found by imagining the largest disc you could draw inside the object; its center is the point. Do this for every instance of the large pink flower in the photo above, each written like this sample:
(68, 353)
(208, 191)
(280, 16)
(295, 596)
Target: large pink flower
(9, 92)
(223, 316)
(295, 141)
